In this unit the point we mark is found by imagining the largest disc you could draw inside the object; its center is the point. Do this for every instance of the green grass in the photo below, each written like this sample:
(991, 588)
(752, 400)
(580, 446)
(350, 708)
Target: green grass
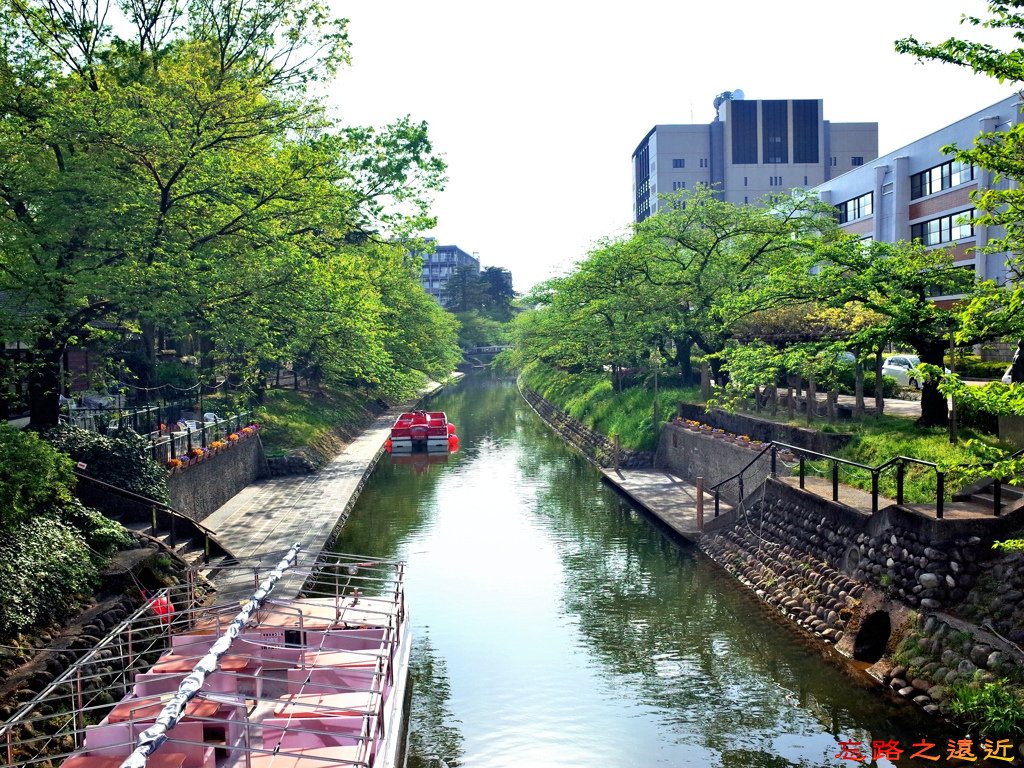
(590, 398)
(291, 419)
(993, 709)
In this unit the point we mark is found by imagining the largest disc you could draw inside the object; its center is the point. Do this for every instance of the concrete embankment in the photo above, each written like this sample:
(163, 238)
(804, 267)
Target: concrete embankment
(922, 601)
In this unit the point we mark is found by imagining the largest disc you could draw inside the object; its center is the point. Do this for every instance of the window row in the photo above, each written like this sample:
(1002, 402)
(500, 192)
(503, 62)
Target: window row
(857, 208)
(945, 229)
(680, 162)
(944, 176)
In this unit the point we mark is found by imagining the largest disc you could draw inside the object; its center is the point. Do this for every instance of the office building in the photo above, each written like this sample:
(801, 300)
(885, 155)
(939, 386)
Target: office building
(751, 149)
(440, 265)
(919, 192)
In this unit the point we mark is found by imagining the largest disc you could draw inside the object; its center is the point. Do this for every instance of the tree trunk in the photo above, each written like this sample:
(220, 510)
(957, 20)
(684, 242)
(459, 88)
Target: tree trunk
(934, 408)
(705, 381)
(757, 398)
(44, 384)
(812, 400)
(684, 359)
(858, 388)
(147, 375)
(879, 384)
(790, 403)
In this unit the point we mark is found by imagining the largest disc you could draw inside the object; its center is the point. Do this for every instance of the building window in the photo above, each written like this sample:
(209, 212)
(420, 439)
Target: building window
(677, 185)
(744, 181)
(944, 176)
(703, 162)
(744, 132)
(678, 162)
(856, 160)
(945, 229)
(745, 201)
(805, 181)
(857, 208)
(805, 131)
(832, 162)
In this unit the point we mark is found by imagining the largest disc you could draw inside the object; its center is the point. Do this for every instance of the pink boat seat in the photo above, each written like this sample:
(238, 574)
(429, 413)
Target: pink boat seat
(307, 732)
(118, 740)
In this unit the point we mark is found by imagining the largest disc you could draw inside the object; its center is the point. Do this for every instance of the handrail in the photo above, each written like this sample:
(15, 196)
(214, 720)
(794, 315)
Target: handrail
(900, 462)
(209, 537)
(717, 486)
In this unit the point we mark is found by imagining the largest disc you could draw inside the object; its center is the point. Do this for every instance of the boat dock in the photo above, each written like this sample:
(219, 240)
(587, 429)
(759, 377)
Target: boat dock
(668, 498)
(268, 517)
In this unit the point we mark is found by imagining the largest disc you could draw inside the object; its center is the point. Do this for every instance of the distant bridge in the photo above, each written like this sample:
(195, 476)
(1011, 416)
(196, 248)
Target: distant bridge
(484, 351)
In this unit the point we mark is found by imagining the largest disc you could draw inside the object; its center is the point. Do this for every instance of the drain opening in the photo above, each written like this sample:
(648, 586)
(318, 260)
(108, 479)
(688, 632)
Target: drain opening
(873, 636)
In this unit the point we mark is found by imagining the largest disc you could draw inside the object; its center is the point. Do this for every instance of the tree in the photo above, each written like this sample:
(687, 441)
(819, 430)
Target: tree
(499, 293)
(183, 179)
(996, 309)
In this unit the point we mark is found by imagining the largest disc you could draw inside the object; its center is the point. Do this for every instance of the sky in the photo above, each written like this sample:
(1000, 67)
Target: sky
(537, 106)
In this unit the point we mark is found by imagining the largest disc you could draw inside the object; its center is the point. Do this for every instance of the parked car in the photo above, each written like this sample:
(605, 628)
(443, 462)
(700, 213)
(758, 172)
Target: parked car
(901, 367)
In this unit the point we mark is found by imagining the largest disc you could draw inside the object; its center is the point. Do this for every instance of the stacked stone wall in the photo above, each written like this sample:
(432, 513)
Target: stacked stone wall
(765, 430)
(202, 488)
(595, 446)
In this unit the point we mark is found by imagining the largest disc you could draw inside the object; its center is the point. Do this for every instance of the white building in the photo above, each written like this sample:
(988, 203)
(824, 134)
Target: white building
(751, 149)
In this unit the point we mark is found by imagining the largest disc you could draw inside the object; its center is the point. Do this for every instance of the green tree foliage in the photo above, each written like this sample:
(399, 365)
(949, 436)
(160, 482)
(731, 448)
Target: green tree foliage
(122, 460)
(44, 566)
(184, 179)
(995, 310)
(33, 477)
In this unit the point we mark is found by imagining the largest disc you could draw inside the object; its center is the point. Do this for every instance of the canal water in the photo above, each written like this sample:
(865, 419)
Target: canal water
(555, 625)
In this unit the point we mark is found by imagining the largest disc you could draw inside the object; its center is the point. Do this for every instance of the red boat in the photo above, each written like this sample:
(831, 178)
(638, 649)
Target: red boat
(422, 431)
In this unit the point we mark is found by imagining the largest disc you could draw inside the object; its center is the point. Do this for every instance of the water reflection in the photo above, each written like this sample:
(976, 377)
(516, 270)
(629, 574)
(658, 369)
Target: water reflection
(556, 626)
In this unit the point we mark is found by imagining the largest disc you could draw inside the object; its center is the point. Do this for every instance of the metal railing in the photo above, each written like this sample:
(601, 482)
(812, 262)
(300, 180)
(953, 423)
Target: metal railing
(899, 462)
(803, 454)
(157, 511)
(196, 434)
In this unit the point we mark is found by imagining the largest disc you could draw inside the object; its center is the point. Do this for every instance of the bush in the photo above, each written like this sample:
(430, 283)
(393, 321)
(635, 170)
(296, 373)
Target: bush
(993, 709)
(33, 476)
(974, 367)
(44, 567)
(122, 460)
(102, 535)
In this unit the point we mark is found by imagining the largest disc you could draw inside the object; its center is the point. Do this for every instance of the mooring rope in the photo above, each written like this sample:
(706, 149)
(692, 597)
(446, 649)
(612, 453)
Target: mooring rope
(156, 734)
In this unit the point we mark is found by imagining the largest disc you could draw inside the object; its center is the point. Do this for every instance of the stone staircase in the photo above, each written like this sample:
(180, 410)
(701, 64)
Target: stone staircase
(1011, 497)
(169, 529)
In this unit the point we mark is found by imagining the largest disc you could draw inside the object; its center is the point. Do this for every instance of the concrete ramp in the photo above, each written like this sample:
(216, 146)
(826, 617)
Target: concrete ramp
(668, 498)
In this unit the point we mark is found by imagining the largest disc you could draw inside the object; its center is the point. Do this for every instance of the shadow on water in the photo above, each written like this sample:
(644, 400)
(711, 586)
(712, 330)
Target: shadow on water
(556, 625)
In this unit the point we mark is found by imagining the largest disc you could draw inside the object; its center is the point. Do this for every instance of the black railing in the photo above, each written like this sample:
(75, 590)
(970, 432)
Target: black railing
(738, 477)
(159, 511)
(899, 462)
(194, 434)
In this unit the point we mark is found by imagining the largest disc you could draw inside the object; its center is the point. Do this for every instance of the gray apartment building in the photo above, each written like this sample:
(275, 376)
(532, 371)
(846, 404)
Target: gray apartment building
(918, 192)
(442, 264)
(751, 149)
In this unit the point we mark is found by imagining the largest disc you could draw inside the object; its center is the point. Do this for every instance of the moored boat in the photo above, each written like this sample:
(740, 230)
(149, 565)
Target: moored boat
(297, 682)
(422, 431)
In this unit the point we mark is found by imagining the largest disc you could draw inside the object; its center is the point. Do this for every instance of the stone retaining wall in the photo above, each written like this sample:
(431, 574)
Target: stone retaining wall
(202, 488)
(595, 446)
(690, 455)
(765, 430)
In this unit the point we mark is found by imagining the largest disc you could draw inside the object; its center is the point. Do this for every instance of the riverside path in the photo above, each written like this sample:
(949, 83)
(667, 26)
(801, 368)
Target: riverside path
(266, 518)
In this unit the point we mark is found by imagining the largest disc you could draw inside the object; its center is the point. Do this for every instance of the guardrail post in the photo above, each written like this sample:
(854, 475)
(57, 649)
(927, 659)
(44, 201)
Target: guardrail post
(774, 454)
(717, 496)
(700, 503)
(153, 510)
(206, 548)
(803, 470)
(835, 481)
(741, 488)
(901, 469)
(997, 498)
(174, 541)
(874, 491)
(940, 493)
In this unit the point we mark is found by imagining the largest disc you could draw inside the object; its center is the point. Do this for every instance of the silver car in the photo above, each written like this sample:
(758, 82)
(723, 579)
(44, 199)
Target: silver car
(901, 367)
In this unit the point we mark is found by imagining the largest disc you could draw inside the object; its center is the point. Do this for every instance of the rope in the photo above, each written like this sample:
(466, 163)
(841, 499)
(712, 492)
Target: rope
(155, 735)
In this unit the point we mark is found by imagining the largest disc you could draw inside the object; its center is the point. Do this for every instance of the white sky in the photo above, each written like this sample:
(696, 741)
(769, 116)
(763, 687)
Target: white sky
(538, 106)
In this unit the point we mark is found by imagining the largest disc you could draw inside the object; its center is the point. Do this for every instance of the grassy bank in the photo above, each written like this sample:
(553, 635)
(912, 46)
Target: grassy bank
(322, 423)
(592, 399)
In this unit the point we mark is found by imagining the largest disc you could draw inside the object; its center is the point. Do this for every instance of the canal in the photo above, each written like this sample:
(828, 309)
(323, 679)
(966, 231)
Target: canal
(555, 625)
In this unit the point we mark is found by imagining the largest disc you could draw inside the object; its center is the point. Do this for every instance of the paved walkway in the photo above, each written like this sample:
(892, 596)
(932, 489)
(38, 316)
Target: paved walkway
(670, 499)
(268, 517)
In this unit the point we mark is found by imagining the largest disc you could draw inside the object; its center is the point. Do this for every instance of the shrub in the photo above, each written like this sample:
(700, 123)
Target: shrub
(993, 709)
(33, 476)
(44, 567)
(102, 535)
(122, 460)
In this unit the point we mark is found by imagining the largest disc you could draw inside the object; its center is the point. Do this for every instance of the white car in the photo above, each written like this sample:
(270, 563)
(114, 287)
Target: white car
(900, 367)
(1007, 377)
